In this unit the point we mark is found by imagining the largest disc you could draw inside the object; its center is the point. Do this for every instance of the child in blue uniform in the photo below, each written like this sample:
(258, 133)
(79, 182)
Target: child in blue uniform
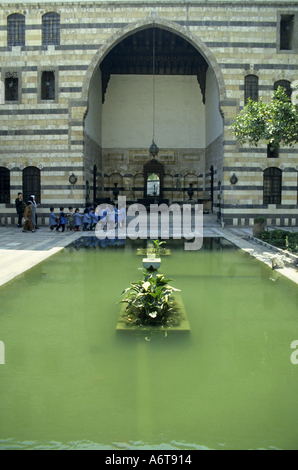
(93, 219)
(86, 220)
(70, 219)
(53, 219)
(62, 220)
(77, 220)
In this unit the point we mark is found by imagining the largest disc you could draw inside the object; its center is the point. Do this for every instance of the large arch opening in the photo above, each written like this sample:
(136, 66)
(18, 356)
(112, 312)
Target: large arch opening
(118, 126)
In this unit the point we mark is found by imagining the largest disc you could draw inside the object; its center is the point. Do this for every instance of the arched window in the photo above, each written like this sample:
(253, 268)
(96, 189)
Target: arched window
(286, 85)
(4, 185)
(51, 29)
(31, 183)
(16, 30)
(251, 88)
(272, 186)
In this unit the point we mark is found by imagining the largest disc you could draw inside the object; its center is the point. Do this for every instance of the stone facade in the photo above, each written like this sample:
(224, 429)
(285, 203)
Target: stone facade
(65, 135)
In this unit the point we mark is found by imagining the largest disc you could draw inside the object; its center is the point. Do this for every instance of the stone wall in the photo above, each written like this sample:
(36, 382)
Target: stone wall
(182, 167)
(128, 112)
(127, 115)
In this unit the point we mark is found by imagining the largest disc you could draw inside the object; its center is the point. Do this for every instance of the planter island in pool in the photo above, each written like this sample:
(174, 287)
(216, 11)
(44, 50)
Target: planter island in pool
(126, 320)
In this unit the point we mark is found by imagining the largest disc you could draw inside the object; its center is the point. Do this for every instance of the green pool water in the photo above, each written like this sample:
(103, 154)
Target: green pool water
(70, 381)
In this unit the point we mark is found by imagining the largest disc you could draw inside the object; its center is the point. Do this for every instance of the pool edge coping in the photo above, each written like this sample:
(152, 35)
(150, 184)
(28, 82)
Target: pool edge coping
(249, 245)
(245, 242)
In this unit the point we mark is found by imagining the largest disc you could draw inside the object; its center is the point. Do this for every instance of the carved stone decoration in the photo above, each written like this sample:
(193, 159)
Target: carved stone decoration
(10, 74)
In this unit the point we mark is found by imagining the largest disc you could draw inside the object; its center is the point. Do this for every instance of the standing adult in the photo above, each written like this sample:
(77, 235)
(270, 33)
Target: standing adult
(33, 211)
(20, 208)
(34, 214)
(27, 215)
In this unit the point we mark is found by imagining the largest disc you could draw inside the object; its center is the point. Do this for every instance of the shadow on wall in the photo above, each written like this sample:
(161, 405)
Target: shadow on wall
(2, 93)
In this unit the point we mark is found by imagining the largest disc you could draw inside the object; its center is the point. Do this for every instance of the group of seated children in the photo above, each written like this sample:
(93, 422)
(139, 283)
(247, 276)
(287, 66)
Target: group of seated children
(105, 214)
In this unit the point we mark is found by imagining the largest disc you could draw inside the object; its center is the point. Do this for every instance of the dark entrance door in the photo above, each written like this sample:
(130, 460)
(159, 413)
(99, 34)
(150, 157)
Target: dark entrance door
(31, 183)
(4, 185)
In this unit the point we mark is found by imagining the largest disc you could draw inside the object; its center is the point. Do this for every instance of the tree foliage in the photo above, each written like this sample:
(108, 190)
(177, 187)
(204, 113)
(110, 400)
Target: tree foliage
(275, 122)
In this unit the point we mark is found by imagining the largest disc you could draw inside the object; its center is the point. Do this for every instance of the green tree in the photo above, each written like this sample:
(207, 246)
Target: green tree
(275, 122)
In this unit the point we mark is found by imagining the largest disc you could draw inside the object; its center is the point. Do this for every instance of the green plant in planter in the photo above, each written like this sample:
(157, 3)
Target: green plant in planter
(156, 247)
(148, 301)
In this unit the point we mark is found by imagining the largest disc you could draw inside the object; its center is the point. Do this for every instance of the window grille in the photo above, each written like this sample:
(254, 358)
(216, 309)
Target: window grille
(4, 185)
(51, 29)
(48, 86)
(11, 86)
(286, 85)
(16, 30)
(251, 88)
(31, 183)
(272, 152)
(286, 32)
(272, 185)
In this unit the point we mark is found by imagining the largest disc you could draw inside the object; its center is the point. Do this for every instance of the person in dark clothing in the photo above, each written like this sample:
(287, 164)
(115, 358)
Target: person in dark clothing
(62, 220)
(34, 206)
(20, 208)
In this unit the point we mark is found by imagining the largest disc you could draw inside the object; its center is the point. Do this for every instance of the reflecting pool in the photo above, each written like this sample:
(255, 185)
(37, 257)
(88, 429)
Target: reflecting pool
(71, 381)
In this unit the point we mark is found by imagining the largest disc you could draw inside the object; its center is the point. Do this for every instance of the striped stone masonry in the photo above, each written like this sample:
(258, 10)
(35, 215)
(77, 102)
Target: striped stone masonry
(63, 135)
